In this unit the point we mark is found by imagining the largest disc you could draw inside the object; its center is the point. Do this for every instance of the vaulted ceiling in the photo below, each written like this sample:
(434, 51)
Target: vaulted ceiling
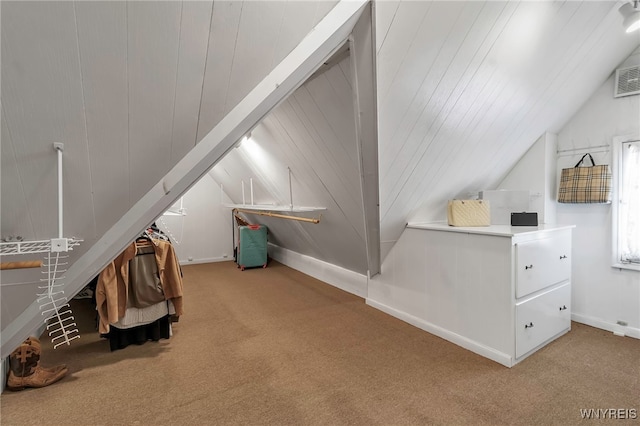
(129, 88)
(464, 88)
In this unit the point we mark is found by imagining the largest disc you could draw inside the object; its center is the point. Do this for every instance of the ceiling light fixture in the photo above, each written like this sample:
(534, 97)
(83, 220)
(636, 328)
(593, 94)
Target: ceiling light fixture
(244, 138)
(631, 12)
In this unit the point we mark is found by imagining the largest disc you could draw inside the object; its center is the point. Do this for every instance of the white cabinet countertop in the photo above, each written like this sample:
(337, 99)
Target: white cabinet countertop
(496, 230)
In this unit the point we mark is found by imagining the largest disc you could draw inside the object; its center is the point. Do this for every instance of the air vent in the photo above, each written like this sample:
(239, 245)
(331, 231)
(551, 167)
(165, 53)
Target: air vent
(627, 81)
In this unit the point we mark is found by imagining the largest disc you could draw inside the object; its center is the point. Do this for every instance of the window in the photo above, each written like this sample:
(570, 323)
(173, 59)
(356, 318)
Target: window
(626, 212)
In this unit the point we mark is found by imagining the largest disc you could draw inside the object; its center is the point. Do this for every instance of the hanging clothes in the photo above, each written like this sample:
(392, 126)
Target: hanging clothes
(156, 330)
(112, 290)
(141, 324)
(134, 317)
(145, 288)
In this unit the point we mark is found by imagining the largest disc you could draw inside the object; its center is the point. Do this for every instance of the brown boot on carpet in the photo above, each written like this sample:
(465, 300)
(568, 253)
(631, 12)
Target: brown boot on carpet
(25, 371)
(35, 342)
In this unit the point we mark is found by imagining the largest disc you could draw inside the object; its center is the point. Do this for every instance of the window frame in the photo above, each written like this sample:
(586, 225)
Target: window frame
(616, 176)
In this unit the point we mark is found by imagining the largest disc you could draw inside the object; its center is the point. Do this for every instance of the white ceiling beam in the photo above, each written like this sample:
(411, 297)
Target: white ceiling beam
(363, 71)
(319, 45)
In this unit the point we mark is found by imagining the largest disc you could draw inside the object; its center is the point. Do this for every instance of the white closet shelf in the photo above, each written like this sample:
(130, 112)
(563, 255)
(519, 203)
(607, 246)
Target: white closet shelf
(274, 208)
(23, 247)
(172, 213)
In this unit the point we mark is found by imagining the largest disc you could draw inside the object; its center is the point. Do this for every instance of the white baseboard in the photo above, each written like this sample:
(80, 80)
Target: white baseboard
(473, 346)
(605, 325)
(204, 260)
(341, 278)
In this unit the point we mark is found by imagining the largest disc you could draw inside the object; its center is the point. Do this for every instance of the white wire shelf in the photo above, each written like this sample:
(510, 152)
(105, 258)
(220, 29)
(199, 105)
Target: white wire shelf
(25, 247)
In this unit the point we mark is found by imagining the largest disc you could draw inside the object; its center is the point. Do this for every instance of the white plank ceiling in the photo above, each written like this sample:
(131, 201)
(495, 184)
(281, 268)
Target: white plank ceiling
(464, 89)
(121, 85)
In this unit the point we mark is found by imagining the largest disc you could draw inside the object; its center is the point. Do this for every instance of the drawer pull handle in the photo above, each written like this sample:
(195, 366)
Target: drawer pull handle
(530, 325)
(528, 267)
(563, 257)
(564, 307)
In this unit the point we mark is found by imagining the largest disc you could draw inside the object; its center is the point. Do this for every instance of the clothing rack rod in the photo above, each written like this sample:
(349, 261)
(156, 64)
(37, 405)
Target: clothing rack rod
(568, 154)
(586, 148)
(277, 215)
(21, 265)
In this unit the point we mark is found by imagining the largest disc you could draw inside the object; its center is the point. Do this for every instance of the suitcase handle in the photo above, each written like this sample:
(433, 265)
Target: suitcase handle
(254, 227)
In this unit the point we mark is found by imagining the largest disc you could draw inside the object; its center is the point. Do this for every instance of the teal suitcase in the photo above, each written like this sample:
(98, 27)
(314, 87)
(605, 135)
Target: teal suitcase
(252, 246)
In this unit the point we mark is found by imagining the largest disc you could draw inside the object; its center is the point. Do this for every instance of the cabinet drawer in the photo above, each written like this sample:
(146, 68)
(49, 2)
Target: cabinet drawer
(542, 317)
(541, 263)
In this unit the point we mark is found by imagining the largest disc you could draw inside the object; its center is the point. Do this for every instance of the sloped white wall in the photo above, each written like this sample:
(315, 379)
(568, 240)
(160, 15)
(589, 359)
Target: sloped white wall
(129, 88)
(247, 39)
(602, 295)
(203, 234)
(16, 295)
(536, 173)
(313, 134)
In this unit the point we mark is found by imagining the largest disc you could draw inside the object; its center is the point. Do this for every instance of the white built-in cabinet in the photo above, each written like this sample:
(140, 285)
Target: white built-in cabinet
(503, 292)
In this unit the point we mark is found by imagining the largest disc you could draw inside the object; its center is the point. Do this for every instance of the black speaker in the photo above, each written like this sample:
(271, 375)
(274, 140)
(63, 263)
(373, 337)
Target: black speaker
(524, 219)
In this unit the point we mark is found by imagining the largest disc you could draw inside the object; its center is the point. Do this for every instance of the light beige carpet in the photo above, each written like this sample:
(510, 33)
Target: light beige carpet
(274, 346)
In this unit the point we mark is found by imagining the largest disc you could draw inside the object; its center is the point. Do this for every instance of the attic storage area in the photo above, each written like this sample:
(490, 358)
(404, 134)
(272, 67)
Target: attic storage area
(302, 156)
(464, 91)
(169, 187)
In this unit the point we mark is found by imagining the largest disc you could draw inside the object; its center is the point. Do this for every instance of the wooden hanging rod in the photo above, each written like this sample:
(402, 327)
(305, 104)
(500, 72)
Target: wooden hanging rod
(21, 265)
(280, 216)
